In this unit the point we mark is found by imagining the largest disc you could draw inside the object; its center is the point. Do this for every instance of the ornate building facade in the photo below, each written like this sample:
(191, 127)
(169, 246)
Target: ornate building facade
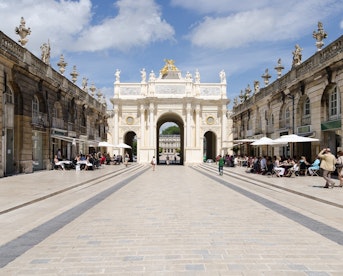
(42, 111)
(306, 101)
(199, 109)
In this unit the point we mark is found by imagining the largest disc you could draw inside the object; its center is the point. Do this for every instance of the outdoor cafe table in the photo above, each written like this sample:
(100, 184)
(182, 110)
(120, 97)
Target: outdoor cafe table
(287, 170)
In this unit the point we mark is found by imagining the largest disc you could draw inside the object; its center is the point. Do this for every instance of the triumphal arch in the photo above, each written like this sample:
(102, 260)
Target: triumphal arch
(199, 109)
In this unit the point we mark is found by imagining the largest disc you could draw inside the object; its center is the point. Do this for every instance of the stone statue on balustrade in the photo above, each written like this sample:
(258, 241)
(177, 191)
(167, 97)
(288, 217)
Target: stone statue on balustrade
(222, 76)
(256, 86)
(152, 76)
(197, 76)
(319, 36)
(188, 76)
(45, 48)
(117, 75)
(23, 32)
(143, 75)
(84, 84)
(297, 55)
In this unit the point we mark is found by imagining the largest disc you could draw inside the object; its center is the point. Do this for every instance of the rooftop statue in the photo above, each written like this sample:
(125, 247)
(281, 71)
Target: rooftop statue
(297, 55)
(143, 75)
(319, 36)
(117, 75)
(222, 76)
(168, 67)
(46, 52)
(197, 76)
(23, 32)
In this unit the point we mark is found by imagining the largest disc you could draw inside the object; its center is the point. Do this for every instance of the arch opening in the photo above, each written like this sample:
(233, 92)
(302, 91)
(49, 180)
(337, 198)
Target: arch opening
(130, 139)
(210, 146)
(170, 140)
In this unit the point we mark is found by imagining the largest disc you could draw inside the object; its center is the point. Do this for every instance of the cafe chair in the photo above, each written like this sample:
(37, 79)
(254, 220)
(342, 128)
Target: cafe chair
(315, 172)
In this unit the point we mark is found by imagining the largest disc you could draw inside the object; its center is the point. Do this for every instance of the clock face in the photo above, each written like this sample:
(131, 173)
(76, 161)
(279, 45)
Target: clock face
(129, 120)
(210, 120)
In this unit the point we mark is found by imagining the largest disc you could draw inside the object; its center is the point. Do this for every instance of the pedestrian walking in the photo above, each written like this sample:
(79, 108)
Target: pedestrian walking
(221, 162)
(327, 165)
(339, 167)
(153, 163)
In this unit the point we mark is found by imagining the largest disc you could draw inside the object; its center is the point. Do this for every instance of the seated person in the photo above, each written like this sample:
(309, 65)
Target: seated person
(89, 162)
(108, 159)
(280, 171)
(58, 163)
(314, 166)
(303, 165)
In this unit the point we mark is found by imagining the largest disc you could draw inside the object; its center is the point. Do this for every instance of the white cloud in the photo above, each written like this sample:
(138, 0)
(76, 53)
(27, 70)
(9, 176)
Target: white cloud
(221, 6)
(281, 21)
(48, 19)
(138, 23)
(67, 25)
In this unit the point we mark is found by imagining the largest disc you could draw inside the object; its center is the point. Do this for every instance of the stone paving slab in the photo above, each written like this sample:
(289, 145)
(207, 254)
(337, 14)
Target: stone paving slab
(175, 221)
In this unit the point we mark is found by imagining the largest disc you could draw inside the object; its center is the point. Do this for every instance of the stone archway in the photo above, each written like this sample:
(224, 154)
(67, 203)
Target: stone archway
(170, 97)
(175, 118)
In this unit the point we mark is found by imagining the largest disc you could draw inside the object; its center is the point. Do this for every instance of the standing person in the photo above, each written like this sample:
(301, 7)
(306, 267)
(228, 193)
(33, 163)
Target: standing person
(127, 157)
(339, 166)
(327, 164)
(221, 162)
(59, 155)
(153, 163)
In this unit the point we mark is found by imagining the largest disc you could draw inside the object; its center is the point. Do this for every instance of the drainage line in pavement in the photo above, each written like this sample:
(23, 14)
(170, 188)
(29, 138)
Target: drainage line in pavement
(325, 230)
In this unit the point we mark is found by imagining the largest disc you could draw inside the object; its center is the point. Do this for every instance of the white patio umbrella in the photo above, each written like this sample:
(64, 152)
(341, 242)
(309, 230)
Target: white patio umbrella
(123, 146)
(293, 138)
(105, 144)
(265, 141)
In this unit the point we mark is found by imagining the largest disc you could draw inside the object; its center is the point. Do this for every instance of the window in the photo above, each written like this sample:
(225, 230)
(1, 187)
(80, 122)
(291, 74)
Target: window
(334, 107)
(307, 110)
(35, 107)
(8, 96)
(287, 116)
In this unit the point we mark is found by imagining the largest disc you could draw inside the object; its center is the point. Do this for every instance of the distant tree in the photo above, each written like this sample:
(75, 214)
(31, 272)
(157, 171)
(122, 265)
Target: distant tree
(172, 130)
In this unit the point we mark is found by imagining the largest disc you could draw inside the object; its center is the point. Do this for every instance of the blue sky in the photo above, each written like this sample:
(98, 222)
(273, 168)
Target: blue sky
(241, 37)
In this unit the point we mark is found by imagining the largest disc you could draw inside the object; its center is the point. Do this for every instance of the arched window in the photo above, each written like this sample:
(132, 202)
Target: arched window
(307, 109)
(8, 96)
(334, 106)
(287, 117)
(35, 107)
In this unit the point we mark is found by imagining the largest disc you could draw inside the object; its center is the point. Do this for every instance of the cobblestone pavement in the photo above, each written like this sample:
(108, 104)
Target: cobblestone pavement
(175, 221)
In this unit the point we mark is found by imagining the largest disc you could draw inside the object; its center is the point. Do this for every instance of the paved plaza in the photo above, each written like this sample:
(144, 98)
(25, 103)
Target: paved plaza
(176, 220)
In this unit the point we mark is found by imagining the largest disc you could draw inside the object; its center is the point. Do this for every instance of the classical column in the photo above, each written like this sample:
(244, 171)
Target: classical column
(151, 125)
(197, 126)
(115, 124)
(142, 125)
(224, 125)
(188, 125)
